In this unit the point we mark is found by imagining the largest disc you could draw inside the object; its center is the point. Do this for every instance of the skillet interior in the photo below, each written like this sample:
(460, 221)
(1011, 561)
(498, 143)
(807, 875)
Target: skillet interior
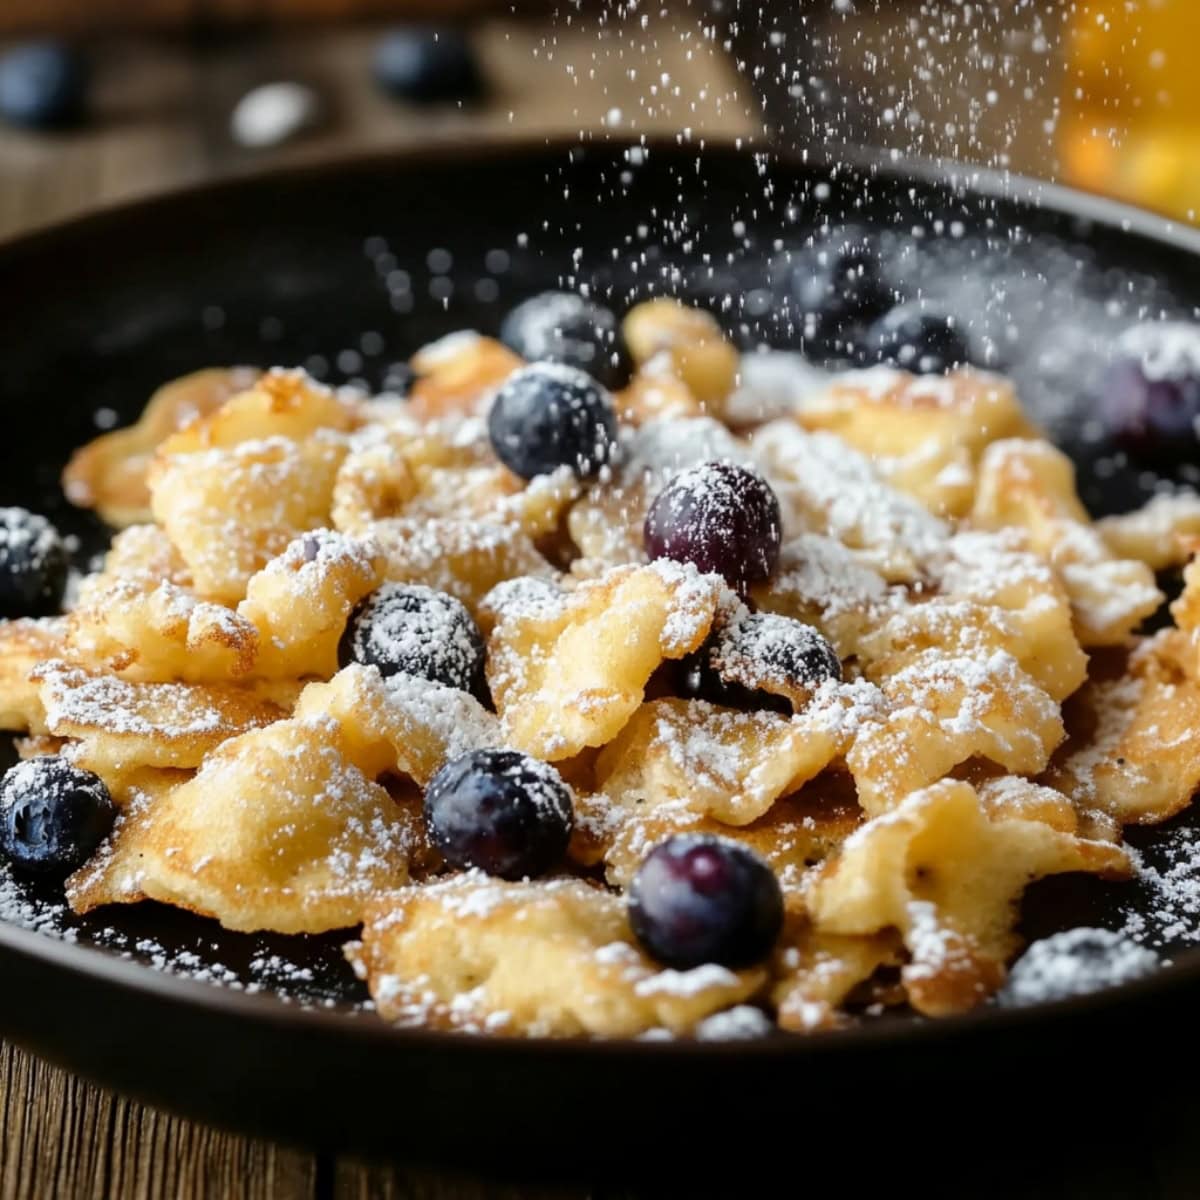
(331, 268)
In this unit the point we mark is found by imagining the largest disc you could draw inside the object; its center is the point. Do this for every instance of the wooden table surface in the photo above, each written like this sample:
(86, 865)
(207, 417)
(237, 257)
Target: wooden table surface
(161, 121)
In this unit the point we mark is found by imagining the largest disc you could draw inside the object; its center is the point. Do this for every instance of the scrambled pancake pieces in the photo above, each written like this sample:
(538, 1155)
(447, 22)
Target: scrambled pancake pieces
(930, 691)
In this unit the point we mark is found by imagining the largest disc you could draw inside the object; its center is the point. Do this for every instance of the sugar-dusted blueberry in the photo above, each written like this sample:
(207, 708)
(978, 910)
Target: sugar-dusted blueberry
(428, 64)
(550, 415)
(1149, 399)
(916, 337)
(1075, 962)
(834, 288)
(42, 85)
(53, 816)
(698, 899)
(33, 565)
(762, 660)
(500, 811)
(412, 629)
(566, 327)
(722, 518)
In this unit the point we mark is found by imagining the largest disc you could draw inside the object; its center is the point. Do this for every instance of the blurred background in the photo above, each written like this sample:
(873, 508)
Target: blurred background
(106, 99)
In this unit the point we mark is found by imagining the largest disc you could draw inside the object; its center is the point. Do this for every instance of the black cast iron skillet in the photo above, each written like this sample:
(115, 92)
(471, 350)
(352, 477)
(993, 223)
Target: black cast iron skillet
(331, 267)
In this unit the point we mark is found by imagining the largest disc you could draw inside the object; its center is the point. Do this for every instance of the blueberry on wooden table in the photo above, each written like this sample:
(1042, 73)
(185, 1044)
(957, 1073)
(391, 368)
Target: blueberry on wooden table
(916, 337)
(721, 518)
(428, 64)
(698, 899)
(500, 811)
(53, 816)
(549, 415)
(33, 565)
(834, 288)
(1149, 396)
(566, 327)
(415, 630)
(43, 85)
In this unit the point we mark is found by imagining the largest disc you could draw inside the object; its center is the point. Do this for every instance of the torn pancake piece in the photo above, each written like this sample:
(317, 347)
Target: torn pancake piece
(122, 725)
(276, 831)
(554, 957)
(948, 876)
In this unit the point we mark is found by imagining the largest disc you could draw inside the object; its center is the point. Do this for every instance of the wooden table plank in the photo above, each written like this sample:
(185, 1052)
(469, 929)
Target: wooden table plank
(64, 1138)
(354, 1180)
(162, 108)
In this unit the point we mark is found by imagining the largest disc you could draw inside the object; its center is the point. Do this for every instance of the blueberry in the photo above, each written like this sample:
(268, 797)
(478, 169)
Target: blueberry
(916, 338)
(501, 811)
(698, 899)
(405, 627)
(720, 517)
(53, 816)
(834, 287)
(1074, 963)
(548, 415)
(1149, 399)
(428, 64)
(42, 86)
(33, 565)
(757, 660)
(567, 328)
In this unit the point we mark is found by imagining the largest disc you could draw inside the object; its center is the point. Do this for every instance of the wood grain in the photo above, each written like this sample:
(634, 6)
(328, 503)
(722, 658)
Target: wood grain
(64, 1138)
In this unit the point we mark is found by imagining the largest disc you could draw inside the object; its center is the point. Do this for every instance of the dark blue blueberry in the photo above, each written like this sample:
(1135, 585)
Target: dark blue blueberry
(410, 629)
(699, 899)
(428, 64)
(33, 565)
(568, 328)
(757, 649)
(833, 288)
(549, 415)
(721, 518)
(916, 338)
(501, 811)
(53, 816)
(42, 86)
(1149, 400)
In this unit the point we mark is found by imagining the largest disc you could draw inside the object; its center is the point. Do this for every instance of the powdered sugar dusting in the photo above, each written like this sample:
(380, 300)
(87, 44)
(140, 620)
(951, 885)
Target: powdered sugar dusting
(1165, 349)
(1075, 963)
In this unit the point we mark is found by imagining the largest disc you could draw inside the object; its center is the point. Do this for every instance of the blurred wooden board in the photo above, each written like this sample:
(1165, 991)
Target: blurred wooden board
(84, 16)
(162, 107)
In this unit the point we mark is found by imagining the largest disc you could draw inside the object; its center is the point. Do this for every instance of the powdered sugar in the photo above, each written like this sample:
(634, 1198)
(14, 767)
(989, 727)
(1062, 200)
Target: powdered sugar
(773, 383)
(75, 700)
(664, 447)
(28, 545)
(826, 487)
(415, 629)
(1075, 963)
(692, 601)
(1165, 349)
(687, 983)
